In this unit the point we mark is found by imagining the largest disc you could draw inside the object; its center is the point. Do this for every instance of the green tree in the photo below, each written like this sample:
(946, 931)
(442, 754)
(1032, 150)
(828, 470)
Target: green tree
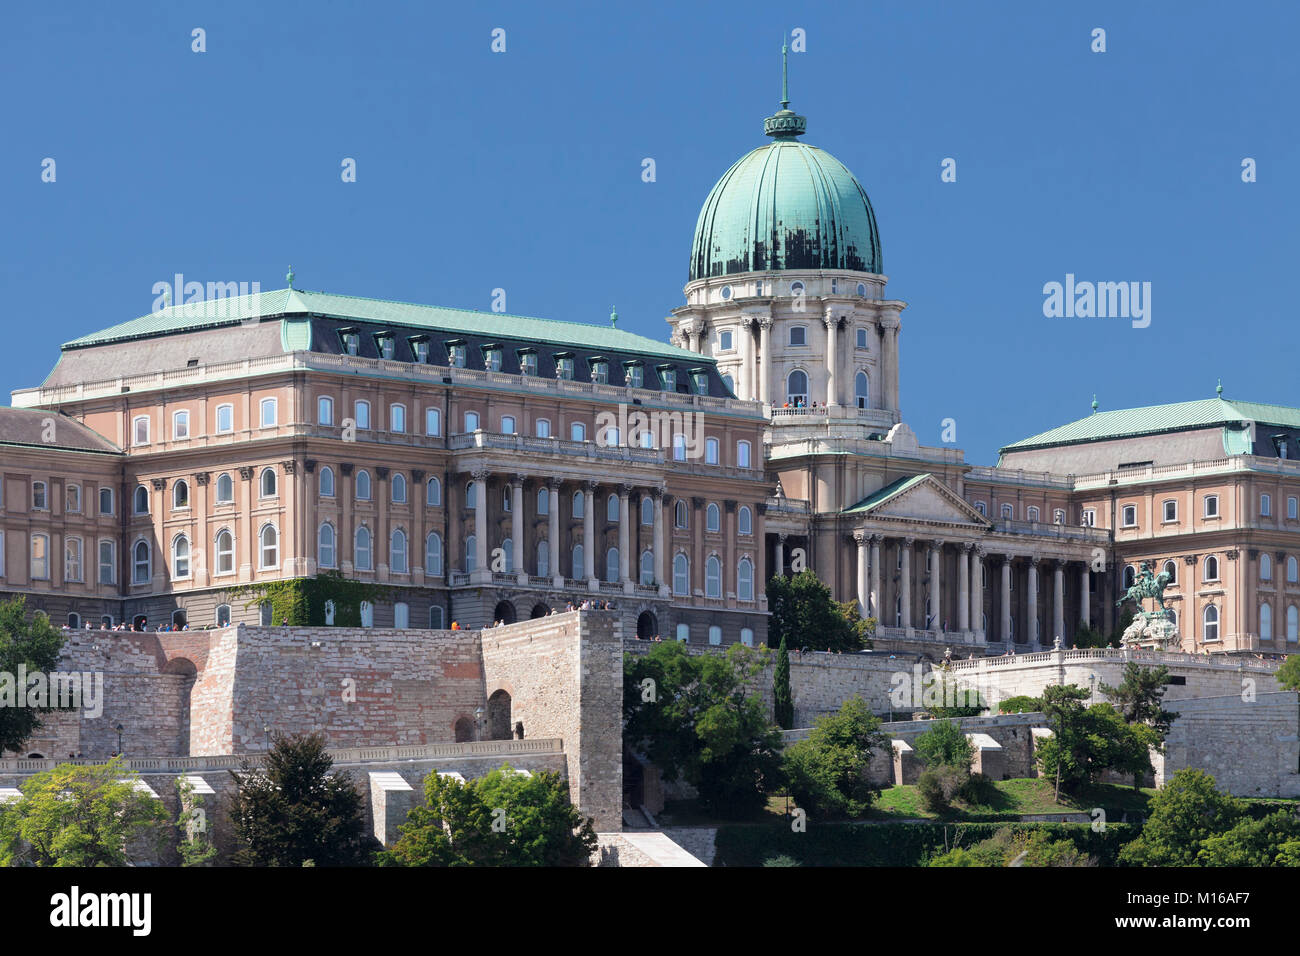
(1272, 841)
(947, 754)
(506, 818)
(1088, 636)
(1184, 813)
(1288, 675)
(1022, 704)
(827, 771)
(804, 614)
(782, 698)
(1063, 707)
(195, 846)
(1139, 695)
(294, 811)
(944, 745)
(1016, 848)
(1094, 740)
(34, 645)
(699, 718)
(77, 815)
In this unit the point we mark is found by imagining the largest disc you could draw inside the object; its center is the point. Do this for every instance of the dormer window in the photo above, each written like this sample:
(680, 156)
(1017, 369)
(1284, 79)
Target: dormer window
(420, 349)
(634, 375)
(527, 362)
(1281, 443)
(492, 358)
(668, 378)
(386, 346)
(600, 371)
(456, 354)
(700, 382)
(351, 342)
(564, 367)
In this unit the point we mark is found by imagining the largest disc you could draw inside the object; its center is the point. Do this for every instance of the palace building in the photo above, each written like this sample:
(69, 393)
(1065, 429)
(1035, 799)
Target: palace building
(483, 467)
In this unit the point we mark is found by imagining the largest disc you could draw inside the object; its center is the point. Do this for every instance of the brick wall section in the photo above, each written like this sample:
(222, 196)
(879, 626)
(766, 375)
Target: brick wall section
(564, 675)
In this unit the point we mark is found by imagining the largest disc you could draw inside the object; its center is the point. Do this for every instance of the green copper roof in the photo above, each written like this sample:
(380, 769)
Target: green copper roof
(786, 205)
(1154, 419)
(298, 302)
(887, 492)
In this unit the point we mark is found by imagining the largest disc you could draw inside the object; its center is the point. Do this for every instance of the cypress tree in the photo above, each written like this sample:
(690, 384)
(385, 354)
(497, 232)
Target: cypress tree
(782, 701)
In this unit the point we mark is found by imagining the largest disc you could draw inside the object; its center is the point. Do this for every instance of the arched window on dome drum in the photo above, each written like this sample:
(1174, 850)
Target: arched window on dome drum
(1265, 622)
(647, 511)
(1265, 568)
(862, 388)
(326, 482)
(433, 493)
(796, 387)
(713, 518)
(611, 565)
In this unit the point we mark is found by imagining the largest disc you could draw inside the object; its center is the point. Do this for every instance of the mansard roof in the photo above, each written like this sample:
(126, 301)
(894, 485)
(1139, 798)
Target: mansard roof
(283, 303)
(1156, 419)
(38, 428)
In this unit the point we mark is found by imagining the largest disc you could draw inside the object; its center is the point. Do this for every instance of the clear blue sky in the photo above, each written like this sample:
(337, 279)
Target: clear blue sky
(522, 170)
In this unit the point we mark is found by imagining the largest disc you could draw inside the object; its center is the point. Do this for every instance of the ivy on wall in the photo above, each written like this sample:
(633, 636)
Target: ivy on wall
(301, 601)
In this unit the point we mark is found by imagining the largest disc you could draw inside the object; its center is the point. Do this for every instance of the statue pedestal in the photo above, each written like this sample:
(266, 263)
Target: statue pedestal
(1156, 634)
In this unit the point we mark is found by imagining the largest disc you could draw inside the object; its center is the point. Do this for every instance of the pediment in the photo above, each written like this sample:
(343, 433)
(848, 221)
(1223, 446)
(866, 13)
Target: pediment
(920, 498)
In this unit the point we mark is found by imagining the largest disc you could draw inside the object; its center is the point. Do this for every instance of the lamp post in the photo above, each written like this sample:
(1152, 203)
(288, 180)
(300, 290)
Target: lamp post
(478, 724)
(266, 729)
(1092, 687)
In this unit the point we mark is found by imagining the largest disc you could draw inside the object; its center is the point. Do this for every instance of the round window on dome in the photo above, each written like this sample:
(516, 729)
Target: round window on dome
(796, 288)
(726, 293)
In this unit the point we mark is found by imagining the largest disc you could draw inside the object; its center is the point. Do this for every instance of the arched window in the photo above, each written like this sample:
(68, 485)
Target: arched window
(681, 575)
(270, 551)
(471, 422)
(327, 482)
(1171, 569)
(471, 495)
(579, 504)
(433, 555)
(543, 500)
(397, 552)
(225, 489)
(471, 553)
(1031, 513)
(745, 520)
(140, 500)
(679, 514)
(712, 517)
(361, 550)
(611, 508)
(508, 552)
(1211, 619)
(1265, 568)
(180, 556)
(225, 552)
(713, 577)
(543, 558)
(1130, 576)
(610, 437)
(325, 546)
(1008, 512)
(268, 412)
(142, 563)
(399, 489)
(577, 562)
(710, 451)
(1211, 571)
(363, 485)
(862, 389)
(1266, 622)
(647, 511)
(796, 387)
(1291, 622)
(647, 566)
(361, 413)
(268, 482)
(715, 634)
(1291, 569)
(578, 431)
(435, 617)
(745, 580)
(367, 614)
(223, 615)
(433, 492)
(325, 410)
(611, 565)
(181, 494)
(507, 424)
(542, 428)
(401, 615)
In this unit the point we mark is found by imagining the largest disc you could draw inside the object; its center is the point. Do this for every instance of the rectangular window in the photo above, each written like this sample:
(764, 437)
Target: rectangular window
(432, 421)
(72, 499)
(420, 349)
(351, 343)
(268, 412)
(387, 346)
(1089, 518)
(798, 335)
(1170, 510)
(1265, 505)
(397, 418)
(600, 372)
(1291, 507)
(1211, 506)
(742, 454)
(492, 359)
(40, 557)
(456, 355)
(471, 422)
(668, 379)
(140, 430)
(225, 418)
(72, 559)
(2, 554)
(527, 363)
(701, 382)
(564, 367)
(106, 501)
(107, 562)
(40, 499)
(180, 426)
(361, 411)
(543, 427)
(1129, 516)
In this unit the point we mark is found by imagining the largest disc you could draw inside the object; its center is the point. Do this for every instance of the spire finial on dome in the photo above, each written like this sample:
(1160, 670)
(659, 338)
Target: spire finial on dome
(289, 277)
(1219, 390)
(613, 316)
(785, 124)
(1094, 404)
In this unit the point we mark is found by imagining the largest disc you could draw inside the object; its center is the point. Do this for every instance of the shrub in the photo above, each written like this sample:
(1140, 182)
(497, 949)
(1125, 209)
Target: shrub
(1020, 705)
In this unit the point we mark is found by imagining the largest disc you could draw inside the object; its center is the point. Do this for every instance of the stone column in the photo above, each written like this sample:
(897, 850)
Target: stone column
(1031, 598)
(936, 595)
(418, 496)
(864, 592)
(780, 555)
(889, 362)
(765, 359)
(977, 590)
(832, 396)
(696, 332)
(381, 498)
(744, 383)
(346, 543)
(247, 539)
(905, 581)
(658, 494)
(553, 531)
(1006, 598)
(1058, 602)
(875, 577)
(200, 546)
(624, 538)
(517, 525)
(1085, 602)
(589, 534)
(482, 572)
(963, 589)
